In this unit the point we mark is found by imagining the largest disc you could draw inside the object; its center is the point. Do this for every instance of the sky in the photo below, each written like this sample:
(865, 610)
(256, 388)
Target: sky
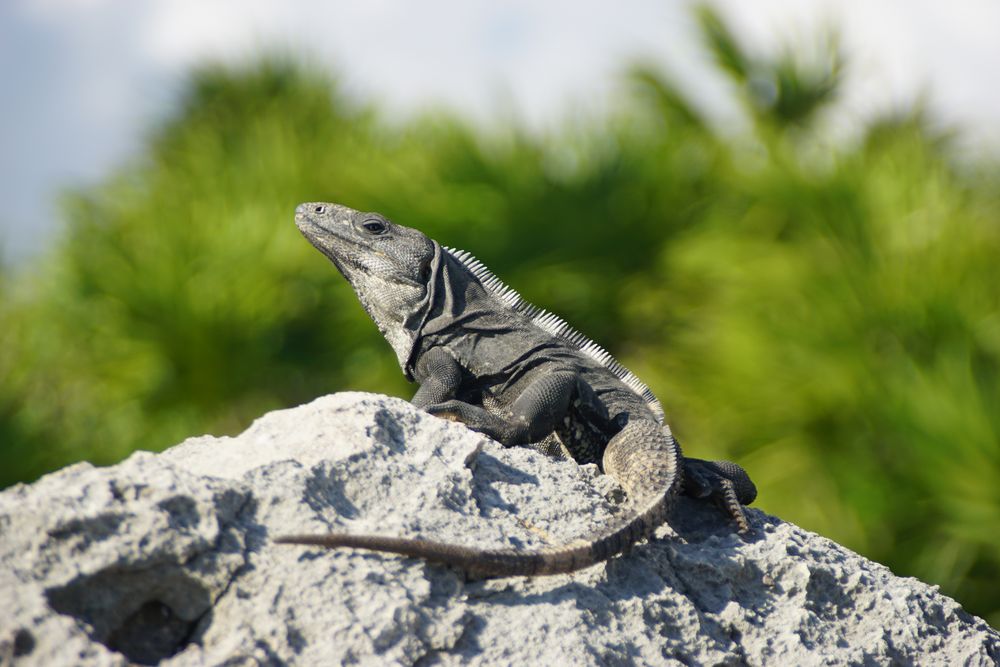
(83, 80)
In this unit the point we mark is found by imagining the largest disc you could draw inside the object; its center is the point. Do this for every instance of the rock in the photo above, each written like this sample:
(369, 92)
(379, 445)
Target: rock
(165, 559)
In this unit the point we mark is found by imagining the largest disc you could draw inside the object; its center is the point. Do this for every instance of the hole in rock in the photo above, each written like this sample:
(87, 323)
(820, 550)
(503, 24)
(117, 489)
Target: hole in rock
(20, 645)
(152, 633)
(146, 615)
(24, 642)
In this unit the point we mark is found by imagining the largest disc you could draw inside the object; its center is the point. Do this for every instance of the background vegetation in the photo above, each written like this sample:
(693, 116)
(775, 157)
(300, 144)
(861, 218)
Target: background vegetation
(829, 316)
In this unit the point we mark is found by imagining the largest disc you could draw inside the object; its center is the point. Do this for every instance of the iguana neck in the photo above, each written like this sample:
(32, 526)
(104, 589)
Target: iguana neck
(456, 305)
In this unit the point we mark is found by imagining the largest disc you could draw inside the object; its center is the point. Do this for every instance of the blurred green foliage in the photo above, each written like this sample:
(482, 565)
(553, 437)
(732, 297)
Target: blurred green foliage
(827, 316)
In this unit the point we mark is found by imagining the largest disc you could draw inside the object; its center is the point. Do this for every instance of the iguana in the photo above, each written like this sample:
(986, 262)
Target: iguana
(518, 374)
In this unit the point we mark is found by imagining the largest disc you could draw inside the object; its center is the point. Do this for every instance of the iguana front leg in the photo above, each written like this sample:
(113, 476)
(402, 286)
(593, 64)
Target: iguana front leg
(442, 377)
(533, 415)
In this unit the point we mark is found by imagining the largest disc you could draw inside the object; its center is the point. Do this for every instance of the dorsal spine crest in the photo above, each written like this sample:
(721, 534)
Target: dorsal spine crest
(555, 325)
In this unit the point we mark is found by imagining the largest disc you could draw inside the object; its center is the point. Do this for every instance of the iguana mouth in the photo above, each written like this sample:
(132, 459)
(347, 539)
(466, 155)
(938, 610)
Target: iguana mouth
(319, 236)
(343, 257)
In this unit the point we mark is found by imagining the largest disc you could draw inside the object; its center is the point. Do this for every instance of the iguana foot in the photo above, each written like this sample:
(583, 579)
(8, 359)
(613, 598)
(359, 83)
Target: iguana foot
(473, 416)
(723, 482)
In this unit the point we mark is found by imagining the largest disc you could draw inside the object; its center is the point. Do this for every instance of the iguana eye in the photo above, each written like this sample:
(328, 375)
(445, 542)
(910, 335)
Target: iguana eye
(320, 209)
(374, 226)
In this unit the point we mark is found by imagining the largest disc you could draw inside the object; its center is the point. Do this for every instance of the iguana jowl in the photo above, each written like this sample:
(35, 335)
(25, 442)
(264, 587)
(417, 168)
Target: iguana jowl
(485, 357)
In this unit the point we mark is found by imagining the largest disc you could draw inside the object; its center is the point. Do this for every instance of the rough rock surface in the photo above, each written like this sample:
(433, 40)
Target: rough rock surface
(166, 559)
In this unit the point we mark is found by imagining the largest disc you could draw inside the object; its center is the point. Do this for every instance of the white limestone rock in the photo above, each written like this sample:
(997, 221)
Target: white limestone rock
(166, 559)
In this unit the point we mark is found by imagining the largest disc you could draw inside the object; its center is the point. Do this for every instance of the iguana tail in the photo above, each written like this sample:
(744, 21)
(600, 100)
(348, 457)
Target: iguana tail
(643, 457)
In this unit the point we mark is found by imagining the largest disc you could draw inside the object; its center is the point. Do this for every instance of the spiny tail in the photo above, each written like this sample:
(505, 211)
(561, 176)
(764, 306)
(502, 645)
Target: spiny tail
(643, 457)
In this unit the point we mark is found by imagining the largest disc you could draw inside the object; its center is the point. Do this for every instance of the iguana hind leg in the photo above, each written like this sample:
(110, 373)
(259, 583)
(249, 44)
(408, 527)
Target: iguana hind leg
(723, 482)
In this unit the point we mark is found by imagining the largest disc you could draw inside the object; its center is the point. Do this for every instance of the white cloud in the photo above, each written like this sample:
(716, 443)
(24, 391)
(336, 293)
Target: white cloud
(87, 75)
(898, 50)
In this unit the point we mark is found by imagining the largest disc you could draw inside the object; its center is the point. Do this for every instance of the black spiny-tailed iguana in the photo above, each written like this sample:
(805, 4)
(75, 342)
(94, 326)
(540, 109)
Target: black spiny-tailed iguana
(485, 357)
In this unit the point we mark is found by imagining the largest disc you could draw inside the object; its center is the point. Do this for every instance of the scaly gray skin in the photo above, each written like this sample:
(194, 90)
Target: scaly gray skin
(485, 357)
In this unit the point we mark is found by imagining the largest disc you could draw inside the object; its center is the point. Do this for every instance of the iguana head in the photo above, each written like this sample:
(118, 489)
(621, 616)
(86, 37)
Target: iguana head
(388, 265)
